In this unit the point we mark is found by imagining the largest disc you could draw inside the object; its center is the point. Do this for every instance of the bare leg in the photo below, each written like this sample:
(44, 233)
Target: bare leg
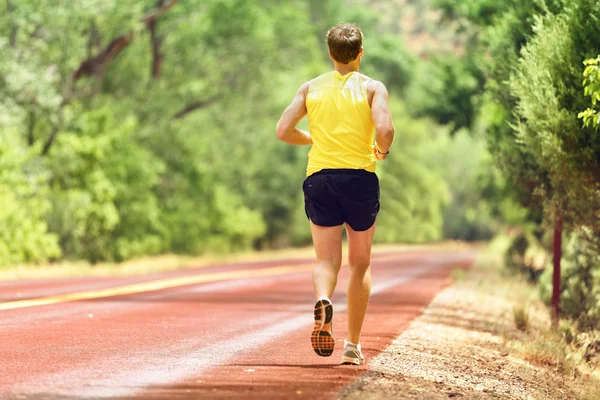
(359, 286)
(328, 248)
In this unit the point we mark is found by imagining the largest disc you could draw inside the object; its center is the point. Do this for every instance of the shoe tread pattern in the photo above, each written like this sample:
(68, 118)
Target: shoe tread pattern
(322, 336)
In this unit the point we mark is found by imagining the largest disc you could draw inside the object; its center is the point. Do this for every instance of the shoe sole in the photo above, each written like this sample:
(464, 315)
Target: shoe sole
(321, 337)
(352, 361)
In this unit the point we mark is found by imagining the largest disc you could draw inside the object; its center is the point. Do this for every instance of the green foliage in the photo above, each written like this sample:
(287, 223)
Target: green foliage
(521, 317)
(387, 59)
(497, 31)
(547, 84)
(547, 159)
(168, 145)
(24, 237)
(463, 162)
(532, 55)
(480, 12)
(591, 88)
(526, 256)
(412, 192)
(445, 89)
(580, 283)
(103, 205)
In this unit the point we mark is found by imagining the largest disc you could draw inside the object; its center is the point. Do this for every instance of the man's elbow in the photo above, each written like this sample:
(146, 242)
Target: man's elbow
(280, 131)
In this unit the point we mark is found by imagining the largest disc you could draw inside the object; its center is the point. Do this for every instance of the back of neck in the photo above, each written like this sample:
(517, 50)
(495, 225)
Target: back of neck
(345, 68)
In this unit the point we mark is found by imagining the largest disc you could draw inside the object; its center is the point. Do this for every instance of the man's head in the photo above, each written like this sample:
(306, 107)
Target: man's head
(345, 42)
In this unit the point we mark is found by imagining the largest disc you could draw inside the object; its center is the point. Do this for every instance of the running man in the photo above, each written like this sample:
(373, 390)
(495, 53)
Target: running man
(344, 108)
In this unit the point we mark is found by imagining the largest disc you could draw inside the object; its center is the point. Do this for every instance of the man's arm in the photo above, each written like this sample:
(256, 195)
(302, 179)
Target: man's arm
(286, 127)
(382, 117)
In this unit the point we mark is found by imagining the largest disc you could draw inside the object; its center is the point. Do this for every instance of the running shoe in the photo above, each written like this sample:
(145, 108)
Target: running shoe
(322, 335)
(352, 354)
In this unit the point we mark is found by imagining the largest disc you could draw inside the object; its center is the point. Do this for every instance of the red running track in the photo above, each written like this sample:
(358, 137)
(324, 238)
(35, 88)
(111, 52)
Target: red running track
(242, 338)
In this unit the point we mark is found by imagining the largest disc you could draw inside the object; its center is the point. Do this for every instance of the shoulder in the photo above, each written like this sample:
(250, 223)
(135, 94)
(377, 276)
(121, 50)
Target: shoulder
(322, 79)
(303, 90)
(304, 87)
(376, 86)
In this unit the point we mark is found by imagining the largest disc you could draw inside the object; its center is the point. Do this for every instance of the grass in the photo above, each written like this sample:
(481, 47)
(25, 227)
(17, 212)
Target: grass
(459, 274)
(170, 262)
(534, 339)
(589, 388)
(142, 266)
(521, 317)
(547, 349)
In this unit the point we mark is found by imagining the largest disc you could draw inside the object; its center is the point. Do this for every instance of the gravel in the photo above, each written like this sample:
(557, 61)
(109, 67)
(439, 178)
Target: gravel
(458, 348)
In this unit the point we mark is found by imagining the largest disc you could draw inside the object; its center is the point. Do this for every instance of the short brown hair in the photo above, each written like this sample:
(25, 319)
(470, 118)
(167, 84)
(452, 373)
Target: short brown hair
(344, 41)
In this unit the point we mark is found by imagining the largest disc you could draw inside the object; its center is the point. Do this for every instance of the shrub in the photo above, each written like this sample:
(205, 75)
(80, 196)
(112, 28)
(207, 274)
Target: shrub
(521, 318)
(526, 256)
(103, 206)
(580, 283)
(24, 236)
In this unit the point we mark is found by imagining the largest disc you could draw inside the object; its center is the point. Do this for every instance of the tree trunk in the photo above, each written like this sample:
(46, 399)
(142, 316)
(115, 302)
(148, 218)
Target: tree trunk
(96, 65)
(31, 128)
(155, 42)
(196, 105)
(13, 29)
(557, 250)
(50, 141)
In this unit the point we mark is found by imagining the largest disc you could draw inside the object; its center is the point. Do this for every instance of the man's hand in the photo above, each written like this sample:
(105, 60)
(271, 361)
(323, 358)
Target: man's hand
(379, 155)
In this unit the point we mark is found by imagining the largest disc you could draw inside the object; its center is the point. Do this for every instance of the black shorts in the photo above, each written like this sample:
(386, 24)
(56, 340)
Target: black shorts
(335, 196)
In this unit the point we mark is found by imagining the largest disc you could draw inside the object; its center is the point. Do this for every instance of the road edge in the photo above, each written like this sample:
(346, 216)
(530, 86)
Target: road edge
(465, 345)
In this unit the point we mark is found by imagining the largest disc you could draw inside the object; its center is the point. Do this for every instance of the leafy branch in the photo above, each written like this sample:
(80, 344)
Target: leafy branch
(96, 65)
(591, 87)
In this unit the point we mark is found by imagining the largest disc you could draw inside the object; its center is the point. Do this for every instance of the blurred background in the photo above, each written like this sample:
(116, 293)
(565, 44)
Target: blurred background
(135, 128)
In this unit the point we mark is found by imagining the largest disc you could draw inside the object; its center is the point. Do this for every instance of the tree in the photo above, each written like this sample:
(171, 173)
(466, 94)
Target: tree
(531, 53)
(413, 189)
(547, 86)
(24, 237)
(139, 127)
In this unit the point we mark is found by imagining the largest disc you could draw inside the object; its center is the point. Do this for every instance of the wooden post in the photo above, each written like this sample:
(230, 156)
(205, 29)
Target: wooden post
(557, 250)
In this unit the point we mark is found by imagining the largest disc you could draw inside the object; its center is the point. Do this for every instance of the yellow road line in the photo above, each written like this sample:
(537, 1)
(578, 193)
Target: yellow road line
(154, 285)
(159, 285)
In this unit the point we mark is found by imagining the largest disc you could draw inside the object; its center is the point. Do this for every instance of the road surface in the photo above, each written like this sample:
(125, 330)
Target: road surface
(239, 331)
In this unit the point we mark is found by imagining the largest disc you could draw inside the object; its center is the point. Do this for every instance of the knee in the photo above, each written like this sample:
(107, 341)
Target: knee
(334, 265)
(359, 265)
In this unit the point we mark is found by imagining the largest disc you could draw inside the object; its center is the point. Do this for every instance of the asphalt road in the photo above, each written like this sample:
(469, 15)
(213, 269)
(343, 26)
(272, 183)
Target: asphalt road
(237, 331)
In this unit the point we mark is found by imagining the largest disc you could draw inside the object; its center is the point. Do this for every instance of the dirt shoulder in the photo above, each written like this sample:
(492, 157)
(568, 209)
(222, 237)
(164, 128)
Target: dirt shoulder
(465, 345)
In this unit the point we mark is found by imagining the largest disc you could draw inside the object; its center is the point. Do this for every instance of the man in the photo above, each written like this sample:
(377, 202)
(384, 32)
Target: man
(344, 107)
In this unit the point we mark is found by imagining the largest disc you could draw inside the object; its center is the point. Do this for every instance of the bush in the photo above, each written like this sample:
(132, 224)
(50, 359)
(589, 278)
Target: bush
(103, 206)
(526, 256)
(521, 318)
(580, 283)
(24, 235)
(413, 192)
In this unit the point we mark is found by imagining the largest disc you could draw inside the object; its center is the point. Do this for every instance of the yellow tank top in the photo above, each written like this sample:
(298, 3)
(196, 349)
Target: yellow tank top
(340, 123)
